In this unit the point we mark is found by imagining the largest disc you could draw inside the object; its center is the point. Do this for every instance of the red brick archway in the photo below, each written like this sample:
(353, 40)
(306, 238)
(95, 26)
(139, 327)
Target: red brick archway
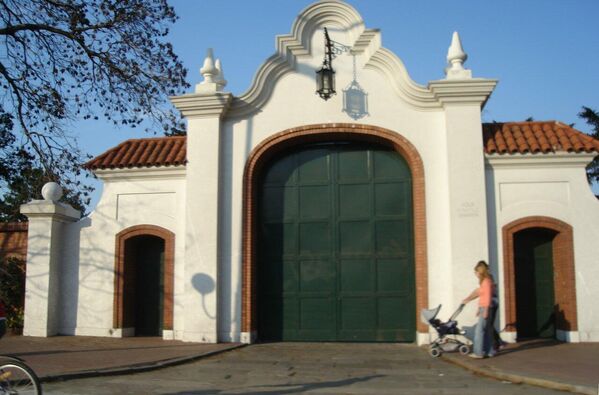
(563, 270)
(119, 279)
(329, 132)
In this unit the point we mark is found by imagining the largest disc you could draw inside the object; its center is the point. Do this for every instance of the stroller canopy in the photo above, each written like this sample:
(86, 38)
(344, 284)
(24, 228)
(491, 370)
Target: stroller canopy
(427, 315)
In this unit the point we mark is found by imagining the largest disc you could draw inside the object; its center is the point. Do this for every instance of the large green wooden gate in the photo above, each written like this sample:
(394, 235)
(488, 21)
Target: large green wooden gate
(335, 253)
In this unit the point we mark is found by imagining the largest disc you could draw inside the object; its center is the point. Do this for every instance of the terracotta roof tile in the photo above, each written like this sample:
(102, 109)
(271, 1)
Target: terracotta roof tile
(498, 137)
(158, 151)
(535, 137)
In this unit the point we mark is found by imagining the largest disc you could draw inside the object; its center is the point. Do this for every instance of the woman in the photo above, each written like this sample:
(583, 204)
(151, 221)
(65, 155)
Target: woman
(483, 334)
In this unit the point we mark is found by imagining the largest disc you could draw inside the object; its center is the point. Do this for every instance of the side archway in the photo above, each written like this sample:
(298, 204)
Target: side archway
(275, 144)
(120, 276)
(563, 270)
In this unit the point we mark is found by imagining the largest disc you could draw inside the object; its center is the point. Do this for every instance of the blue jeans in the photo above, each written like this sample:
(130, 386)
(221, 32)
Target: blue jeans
(483, 335)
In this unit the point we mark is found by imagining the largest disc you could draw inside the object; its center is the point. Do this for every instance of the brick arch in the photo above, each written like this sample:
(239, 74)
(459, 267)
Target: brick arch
(563, 270)
(169, 263)
(276, 143)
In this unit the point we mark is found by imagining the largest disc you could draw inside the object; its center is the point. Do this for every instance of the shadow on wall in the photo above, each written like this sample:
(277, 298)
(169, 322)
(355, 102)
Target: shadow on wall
(493, 243)
(89, 258)
(556, 320)
(205, 285)
(561, 322)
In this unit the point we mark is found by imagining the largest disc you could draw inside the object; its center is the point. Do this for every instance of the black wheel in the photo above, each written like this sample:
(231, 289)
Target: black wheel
(434, 352)
(18, 378)
(464, 349)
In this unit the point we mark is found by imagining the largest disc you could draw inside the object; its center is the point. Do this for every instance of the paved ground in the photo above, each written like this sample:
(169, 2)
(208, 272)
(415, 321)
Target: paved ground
(62, 356)
(313, 368)
(570, 366)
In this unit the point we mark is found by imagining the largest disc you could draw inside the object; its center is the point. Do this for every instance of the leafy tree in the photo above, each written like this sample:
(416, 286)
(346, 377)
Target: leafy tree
(591, 117)
(12, 290)
(66, 60)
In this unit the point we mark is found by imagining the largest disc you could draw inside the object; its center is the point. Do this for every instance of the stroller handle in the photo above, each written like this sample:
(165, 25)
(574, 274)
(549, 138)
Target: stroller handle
(457, 312)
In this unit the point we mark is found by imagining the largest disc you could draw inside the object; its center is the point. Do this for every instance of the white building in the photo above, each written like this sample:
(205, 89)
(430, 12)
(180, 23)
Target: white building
(283, 216)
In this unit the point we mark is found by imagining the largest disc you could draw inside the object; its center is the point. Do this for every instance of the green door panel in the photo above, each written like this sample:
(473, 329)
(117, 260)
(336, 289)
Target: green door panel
(535, 297)
(317, 276)
(355, 238)
(356, 275)
(145, 255)
(353, 165)
(335, 237)
(354, 201)
(315, 202)
(544, 288)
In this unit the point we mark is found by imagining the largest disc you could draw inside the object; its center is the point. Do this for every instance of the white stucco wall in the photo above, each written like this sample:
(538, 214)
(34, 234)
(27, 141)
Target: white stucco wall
(129, 198)
(555, 186)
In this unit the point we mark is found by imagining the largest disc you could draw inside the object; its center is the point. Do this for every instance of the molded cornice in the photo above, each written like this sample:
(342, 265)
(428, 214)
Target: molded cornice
(466, 91)
(142, 173)
(388, 64)
(52, 210)
(560, 160)
(196, 105)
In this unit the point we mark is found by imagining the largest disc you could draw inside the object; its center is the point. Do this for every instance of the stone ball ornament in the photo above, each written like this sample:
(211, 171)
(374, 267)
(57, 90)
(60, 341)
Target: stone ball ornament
(52, 191)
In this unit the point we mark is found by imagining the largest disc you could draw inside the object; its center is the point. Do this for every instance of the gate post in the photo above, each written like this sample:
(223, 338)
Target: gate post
(204, 111)
(463, 98)
(48, 220)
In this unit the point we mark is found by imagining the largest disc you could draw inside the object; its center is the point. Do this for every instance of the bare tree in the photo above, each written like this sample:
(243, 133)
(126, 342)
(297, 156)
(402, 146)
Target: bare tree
(65, 60)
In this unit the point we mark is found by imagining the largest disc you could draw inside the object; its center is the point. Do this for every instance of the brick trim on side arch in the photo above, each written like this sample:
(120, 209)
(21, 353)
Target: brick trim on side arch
(563, 270)
(169, 265)
(318, 133)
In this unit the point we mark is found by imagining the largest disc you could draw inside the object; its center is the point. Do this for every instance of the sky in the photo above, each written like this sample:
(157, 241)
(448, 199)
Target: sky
(545, 53)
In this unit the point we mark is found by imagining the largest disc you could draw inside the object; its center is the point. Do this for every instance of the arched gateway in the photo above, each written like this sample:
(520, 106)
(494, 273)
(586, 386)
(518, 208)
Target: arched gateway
(539, 277)
(143, 281)
(334, 236)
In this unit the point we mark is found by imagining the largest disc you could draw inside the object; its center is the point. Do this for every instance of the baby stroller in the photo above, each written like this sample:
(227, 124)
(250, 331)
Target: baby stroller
(445, 343)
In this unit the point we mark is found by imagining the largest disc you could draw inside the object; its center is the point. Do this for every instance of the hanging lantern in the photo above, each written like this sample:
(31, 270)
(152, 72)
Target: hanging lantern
(325, 77)
(325, 82)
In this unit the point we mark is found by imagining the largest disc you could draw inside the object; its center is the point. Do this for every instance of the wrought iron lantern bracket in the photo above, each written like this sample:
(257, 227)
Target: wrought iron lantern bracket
(325, 77)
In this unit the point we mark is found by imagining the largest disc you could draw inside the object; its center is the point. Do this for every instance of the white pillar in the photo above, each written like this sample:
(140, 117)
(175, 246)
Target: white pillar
(203, 111)
(45, 259)
(462, 101)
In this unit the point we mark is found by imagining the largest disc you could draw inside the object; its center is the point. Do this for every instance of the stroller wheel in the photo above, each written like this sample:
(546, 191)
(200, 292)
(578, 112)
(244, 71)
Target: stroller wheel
(434, 352)
(464, 349)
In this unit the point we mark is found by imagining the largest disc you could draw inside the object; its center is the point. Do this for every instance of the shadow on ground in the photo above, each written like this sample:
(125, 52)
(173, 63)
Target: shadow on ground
(286, 388)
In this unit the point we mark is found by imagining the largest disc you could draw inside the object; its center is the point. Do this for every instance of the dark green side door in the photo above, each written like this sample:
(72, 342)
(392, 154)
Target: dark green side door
(146, 283)
(335, 255)
(535, 300)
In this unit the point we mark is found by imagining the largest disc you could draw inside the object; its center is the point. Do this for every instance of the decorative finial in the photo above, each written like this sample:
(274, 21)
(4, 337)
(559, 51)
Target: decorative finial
(52, 191)
(455, 59)
(214, 80)
(221, 82)
(209, 71)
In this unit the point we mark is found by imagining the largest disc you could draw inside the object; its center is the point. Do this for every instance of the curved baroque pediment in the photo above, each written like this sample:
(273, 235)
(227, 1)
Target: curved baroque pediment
(296, 44)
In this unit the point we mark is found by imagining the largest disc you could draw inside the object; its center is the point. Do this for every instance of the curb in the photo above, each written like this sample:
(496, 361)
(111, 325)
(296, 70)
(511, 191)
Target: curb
(138, 368)
(497, 374)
